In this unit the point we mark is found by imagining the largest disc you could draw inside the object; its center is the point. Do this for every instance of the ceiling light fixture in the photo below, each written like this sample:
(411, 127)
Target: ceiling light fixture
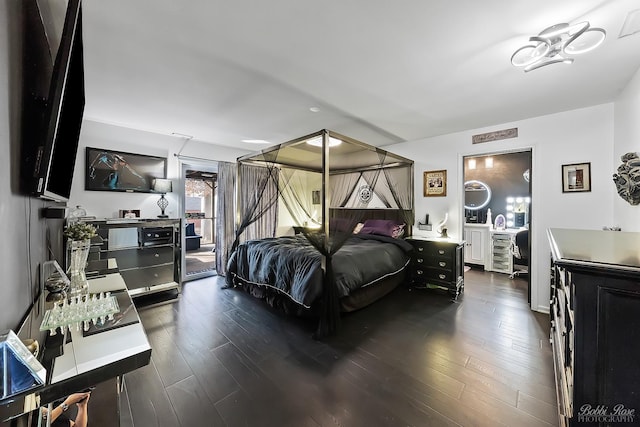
(317, 141)
(555, 44)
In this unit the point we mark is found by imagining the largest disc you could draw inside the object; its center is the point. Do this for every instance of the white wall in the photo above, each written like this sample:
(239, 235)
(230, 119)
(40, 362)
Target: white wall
(104, 204)
(577, 136)
(627, 139)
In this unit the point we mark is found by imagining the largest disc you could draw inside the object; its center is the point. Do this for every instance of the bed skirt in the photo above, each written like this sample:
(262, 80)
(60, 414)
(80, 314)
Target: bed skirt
(356, 300)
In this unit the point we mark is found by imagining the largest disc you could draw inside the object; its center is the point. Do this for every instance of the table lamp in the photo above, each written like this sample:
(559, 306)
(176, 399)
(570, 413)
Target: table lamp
(162, 186)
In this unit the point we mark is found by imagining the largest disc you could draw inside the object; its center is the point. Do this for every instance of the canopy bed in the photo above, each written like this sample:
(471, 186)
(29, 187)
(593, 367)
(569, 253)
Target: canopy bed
(352, 204)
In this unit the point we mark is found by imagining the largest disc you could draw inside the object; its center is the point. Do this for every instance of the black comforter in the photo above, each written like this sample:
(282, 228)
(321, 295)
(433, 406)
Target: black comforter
(292, 265)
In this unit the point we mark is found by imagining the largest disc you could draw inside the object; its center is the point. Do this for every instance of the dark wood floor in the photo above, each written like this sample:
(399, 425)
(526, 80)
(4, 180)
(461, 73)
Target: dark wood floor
(223, 358)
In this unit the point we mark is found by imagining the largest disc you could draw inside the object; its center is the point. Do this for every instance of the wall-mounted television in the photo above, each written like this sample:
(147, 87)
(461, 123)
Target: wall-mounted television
(53, 95)
(109, 170)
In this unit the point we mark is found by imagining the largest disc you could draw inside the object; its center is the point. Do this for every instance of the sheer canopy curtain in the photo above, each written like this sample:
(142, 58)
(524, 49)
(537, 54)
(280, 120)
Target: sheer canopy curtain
(225, 214)
(296, 195)
(258, 202)
(342, 187)
(400, 184)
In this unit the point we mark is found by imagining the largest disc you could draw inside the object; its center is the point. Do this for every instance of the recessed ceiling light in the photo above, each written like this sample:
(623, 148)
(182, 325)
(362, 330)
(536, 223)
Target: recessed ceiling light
(317, 141)
(255, 141)
(314, 109)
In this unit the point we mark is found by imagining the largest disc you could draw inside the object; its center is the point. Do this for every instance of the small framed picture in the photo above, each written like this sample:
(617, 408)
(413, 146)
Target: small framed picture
(576, 177)
(129, 213)
(315, 197)
(435, 183)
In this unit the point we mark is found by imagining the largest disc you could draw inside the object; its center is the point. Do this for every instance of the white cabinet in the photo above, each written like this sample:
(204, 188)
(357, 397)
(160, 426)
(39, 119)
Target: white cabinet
(476, 247)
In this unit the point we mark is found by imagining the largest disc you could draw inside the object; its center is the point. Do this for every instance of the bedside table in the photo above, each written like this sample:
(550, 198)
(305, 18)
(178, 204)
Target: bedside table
(299, 229)
(437, 262)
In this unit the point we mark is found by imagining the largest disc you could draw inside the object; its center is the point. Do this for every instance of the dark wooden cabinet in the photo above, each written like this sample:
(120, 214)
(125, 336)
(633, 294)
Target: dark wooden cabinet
(147, 252)
(595, 326)
(439, 263)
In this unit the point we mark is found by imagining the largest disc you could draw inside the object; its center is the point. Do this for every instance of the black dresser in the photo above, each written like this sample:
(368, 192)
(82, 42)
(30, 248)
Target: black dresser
(595, 326)
(437, 263)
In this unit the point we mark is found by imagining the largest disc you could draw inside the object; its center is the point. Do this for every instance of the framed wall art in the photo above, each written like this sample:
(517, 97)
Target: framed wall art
(576, 177)
(129, 213)
(108, 170)
(435, 183)
(315, 197)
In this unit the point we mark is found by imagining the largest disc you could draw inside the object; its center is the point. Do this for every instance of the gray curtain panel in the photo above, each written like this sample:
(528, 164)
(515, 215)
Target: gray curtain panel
(225, 215)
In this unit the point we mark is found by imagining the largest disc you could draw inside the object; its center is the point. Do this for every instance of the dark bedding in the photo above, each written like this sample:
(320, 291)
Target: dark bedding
(292, 265)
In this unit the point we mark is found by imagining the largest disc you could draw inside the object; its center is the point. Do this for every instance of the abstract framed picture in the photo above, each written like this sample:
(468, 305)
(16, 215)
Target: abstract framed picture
(576, 177)
(108, 170)
(435, 183)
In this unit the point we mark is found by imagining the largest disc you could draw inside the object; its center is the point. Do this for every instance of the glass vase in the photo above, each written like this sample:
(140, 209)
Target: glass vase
(78, 254)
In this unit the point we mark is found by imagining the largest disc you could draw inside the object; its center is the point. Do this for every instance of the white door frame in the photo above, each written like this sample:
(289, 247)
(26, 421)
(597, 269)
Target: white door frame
(203, 165)
(533, 261)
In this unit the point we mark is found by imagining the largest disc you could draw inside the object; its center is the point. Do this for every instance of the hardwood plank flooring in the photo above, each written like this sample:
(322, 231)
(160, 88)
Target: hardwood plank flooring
(414, 358)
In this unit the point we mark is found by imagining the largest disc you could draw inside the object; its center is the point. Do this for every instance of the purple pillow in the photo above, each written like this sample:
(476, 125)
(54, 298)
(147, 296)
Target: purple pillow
(383, 227)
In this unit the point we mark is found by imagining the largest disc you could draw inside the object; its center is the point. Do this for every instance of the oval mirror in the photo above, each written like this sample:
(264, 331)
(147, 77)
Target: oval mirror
(477, 195)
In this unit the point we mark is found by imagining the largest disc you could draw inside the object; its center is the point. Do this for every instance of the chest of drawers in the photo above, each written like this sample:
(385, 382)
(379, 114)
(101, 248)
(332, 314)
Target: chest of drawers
(437, 263)
(147, 252)
(594, 310)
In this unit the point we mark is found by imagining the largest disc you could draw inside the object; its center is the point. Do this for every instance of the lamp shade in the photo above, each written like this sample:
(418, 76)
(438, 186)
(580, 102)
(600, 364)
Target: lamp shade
(160, 185)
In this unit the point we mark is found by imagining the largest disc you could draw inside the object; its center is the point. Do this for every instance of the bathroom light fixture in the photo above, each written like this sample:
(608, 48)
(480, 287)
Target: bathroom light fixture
(556, 44)
(472, 163)
(488, 162)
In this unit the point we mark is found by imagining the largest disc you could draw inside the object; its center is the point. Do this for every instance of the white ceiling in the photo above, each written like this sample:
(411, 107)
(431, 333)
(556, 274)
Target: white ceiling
(379, 71)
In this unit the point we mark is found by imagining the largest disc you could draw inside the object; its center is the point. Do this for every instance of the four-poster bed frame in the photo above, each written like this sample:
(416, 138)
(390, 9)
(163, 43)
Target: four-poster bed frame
(338, 170)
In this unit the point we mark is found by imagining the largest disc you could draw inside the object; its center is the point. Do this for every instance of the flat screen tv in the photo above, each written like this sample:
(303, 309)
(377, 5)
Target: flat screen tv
(109, 170)
(53, 95)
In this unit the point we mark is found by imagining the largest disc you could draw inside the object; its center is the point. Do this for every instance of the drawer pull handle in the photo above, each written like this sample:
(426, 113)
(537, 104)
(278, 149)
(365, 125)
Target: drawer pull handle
(442, 276)
(156, 255)
(420, 249)
(441, 251)
(442, 264)
(420, 260)
(419, 272)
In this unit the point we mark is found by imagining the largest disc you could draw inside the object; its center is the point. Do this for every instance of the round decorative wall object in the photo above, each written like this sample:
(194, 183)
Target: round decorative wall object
(627, 179)
(365, 193)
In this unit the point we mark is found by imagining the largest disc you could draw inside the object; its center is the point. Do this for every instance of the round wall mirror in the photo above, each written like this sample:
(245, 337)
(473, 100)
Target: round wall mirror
(477, 195)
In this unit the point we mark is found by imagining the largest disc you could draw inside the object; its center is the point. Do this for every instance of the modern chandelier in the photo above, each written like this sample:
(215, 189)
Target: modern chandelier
(557, 44)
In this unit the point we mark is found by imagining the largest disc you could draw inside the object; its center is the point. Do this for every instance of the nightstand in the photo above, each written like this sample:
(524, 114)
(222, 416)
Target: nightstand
(299, 229)
(438, 263)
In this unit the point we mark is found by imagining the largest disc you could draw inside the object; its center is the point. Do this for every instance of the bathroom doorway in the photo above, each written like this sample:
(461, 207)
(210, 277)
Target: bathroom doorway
(497, 213)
